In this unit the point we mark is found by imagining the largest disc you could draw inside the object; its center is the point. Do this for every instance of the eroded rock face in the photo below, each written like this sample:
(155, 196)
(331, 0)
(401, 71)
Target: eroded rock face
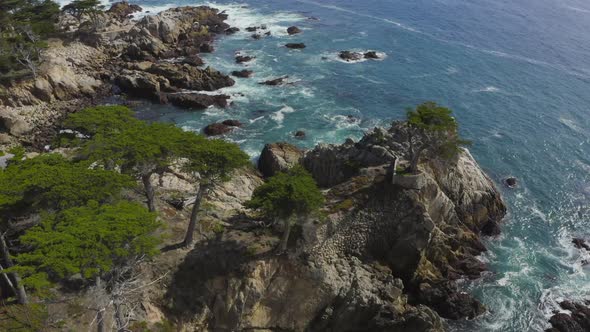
(278, 157)
(293, 30)
(577, 321)
(197, 101)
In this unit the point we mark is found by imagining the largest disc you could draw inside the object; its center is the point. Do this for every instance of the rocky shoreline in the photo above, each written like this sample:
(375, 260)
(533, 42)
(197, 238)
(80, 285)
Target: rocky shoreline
(386, 253)
(155, 58)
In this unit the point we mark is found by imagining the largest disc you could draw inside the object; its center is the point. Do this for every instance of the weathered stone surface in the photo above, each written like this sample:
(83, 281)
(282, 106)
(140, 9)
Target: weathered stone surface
(123, 9)
(278, 157)
(244, 58)
(195, 100)
(216, 129)
(371, 55)
(350, 56)
(275, 81)
(577, 321)
(293, 30)
(295, 45)
(242, 73)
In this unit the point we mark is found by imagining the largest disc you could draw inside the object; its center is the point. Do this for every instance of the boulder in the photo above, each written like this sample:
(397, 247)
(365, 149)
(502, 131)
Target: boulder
(277, 157)
(193, 60)
(188, 77)
(449, 302)
(244, 58)
(232, 123)
(299, 134)
(206, 48)
(13, 124)
(275, 81)
(216, 129)
(231, 31)
(195, 100)
(242, 73)
(141, 84)
(122, 10)
(256, 36)
(295, 45)
(577, 321)
(511, 182)
(372, 55)
(293, 30)
(350, 56)
(581, 244)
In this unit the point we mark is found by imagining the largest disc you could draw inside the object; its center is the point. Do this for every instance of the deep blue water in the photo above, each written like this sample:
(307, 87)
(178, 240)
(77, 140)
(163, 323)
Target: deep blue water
(517, 75)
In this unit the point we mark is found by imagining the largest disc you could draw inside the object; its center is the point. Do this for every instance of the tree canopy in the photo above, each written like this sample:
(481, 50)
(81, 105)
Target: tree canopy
(24, 27)
(89, 240)
(287, 194)
(78, 8)
(432, 128)
(104, 120)
(52, 182)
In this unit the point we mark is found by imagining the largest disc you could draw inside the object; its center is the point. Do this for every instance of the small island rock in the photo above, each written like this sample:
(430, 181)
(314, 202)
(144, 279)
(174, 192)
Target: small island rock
(293, 30)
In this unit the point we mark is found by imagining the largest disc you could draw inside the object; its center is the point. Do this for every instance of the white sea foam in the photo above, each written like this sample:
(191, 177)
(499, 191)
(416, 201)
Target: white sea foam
(571, 124)
(491, 89)
(279, 116)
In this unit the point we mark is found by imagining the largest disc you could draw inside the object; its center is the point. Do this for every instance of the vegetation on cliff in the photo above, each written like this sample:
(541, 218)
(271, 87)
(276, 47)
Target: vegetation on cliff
(287, 197)
(24, 27)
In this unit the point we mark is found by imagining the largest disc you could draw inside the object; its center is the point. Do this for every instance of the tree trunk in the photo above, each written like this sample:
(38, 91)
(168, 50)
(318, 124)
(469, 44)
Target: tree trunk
(190, 232)
(149, 192)
(121, 324)
(99, 311)
(415, 160)
(21, 294)
(286, 233)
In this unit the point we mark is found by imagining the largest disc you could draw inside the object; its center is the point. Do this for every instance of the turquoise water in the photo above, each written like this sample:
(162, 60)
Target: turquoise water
(517, 75)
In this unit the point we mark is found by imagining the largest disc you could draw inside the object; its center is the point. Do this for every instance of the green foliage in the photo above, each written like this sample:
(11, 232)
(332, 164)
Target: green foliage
(23, 318)
(79, 8)
(431, 117)
(103, 120)
(89, 240)
(18, 152)
(433, 128)
(213, 159)
(24, 27)
(50, 181)
(287, 194)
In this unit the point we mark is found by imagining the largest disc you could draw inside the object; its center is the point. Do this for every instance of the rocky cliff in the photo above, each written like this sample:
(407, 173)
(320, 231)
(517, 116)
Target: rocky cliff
(154, 58)
(385, 255)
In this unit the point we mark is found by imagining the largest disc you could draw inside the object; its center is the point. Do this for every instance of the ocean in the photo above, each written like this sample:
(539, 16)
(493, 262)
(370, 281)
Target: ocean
(516, 73)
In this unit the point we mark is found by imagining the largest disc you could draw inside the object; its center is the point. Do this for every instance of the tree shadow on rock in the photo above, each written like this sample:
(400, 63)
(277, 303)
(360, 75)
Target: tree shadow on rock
(191, 288)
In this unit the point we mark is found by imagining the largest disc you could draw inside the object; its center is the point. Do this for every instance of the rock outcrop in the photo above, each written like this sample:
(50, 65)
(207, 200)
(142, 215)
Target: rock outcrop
(278, 157)
(119, 55)
(577, 321)
(385, 258)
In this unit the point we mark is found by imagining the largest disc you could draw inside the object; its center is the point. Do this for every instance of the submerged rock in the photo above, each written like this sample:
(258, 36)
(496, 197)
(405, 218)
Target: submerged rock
(511, 182)
(350, 56)
(232, 123)
(295, 45)
(242, 73)
(276, 81)
(244, 58)
(299, 134)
